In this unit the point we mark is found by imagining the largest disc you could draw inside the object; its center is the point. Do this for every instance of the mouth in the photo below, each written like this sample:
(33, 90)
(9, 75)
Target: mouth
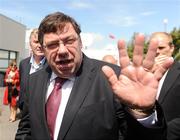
(65, 64)
(39, 51)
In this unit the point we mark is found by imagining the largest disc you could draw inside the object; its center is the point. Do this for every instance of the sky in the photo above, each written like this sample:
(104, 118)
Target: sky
(100, 18)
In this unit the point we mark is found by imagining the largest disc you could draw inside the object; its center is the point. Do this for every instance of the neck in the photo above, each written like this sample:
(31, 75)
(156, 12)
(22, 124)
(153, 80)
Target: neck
(37, 59)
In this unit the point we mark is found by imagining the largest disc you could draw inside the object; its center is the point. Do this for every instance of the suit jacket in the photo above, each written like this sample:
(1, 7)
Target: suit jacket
(169, 99)
(92, 112)
(24, 69)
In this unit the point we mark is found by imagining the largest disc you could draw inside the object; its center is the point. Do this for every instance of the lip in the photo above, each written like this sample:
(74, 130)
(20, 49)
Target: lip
(39, 50)
(64, 64)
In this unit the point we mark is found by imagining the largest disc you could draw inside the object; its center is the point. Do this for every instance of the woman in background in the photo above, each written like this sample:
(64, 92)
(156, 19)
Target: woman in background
(11, 92)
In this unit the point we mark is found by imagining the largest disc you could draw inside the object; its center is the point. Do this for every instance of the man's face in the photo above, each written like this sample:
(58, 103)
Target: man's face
(164, 47)
(63, 51)
(35, 46)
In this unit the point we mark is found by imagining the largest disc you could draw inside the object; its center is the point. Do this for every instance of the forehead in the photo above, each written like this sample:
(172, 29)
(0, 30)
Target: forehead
(13, 63)
(67, 31)
(162, 39)
(34, 37)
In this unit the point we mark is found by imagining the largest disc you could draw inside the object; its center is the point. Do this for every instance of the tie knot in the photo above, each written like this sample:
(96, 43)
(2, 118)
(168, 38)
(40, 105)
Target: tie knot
(59, 82)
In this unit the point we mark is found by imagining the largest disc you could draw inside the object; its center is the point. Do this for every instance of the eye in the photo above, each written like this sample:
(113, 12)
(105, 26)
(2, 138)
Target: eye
(160, 48)
(52, 45)
(70, 41)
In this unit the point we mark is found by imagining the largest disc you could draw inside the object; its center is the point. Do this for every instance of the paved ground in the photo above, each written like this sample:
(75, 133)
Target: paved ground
(7, 129)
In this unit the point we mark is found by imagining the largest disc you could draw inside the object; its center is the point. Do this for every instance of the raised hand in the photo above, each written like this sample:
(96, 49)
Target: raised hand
(159, 60)
(137, 86)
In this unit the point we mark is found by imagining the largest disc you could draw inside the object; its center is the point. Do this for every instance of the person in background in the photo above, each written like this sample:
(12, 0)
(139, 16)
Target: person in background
(78, 98)
(11, 92)
(169, 86)
(110, 59)
(30, 64)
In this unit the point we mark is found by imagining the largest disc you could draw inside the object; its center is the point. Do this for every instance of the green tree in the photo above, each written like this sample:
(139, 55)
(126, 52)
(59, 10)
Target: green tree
(176, 41)
(130, 46)
(175, 33)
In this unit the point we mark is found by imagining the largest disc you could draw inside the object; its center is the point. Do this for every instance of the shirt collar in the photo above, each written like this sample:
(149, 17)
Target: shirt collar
(32, 61)
(53, 76)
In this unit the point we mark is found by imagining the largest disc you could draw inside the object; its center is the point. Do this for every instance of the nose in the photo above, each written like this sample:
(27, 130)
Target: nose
(157, 52)
(62, 49)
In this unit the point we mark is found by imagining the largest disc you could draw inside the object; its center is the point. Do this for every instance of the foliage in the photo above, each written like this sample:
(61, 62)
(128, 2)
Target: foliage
(175, 33)
(130, 46)
(176, 41)
(177, 56)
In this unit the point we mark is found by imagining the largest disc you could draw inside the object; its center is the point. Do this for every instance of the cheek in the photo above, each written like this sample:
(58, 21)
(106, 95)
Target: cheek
(50, 56)
(163, 51)
(74, 51)
(78, 55)
(32, 47)
(168, 51)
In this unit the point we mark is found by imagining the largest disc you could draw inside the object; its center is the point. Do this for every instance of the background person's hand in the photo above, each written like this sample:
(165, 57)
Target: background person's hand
(9, 80)
(137, 86)
(159, 60)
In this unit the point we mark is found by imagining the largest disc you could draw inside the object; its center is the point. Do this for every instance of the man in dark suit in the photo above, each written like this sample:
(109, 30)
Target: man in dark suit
(30, 65)
(97, 102)
(168, 93)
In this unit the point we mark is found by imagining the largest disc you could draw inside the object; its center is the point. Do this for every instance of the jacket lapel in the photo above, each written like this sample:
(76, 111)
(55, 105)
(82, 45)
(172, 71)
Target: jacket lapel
(169, 80)
(78, 94)
(44, 78)
(26, 68)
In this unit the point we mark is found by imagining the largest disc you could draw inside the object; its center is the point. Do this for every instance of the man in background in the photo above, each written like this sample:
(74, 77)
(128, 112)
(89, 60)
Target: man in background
(31, 64)
(110, 59)
(169, 86)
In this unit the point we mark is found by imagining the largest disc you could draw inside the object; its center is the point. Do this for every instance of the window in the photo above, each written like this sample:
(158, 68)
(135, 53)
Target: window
(5, 57)
(3, 54)
(12, 55)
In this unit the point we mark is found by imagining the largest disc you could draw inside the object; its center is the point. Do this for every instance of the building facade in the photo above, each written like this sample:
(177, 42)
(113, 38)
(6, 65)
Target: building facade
(12, 43)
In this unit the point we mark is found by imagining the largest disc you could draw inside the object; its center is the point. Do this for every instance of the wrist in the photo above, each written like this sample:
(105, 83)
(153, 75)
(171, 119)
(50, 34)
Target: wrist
(141, 113)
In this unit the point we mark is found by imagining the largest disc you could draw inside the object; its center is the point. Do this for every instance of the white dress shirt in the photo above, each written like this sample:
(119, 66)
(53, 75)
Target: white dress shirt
(34, 66)
(160, 84)
(65, 91)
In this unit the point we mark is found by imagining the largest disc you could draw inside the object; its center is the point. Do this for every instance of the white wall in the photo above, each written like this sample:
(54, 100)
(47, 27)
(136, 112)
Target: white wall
(12, 35)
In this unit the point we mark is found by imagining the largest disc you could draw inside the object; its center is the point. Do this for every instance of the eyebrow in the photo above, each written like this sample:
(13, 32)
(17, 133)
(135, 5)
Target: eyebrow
(51, 42)
(65, 38)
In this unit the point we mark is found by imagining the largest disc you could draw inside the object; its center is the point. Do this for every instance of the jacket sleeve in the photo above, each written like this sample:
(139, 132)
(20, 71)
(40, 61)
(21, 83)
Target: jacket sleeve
(135, 130)
(24, 128)
(173, 129)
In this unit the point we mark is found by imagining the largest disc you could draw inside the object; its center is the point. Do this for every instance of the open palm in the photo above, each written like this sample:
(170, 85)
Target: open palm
(136, 86)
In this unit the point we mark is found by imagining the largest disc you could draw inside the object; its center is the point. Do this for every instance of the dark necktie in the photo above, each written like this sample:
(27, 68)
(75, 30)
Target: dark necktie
(52, 105)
